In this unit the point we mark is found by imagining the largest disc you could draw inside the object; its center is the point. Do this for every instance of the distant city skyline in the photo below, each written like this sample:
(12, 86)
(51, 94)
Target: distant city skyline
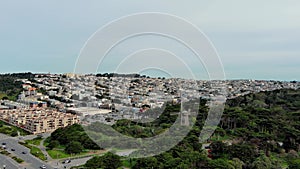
(254, 39)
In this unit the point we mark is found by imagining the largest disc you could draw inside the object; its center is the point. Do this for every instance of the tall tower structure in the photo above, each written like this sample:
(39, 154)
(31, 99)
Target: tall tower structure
(184, 118)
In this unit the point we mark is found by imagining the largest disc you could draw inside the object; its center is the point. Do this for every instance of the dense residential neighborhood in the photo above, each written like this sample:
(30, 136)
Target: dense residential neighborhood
(110, 97)
(50, 101)
(51, 105)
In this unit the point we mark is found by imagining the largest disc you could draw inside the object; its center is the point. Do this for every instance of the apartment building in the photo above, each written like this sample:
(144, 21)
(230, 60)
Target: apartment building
(38, 121)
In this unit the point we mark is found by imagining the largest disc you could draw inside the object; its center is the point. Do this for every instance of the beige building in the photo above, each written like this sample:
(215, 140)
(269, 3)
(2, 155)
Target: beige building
(38, 121)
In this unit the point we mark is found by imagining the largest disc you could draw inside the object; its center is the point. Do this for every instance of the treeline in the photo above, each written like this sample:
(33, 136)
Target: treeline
(187, 154)
(26, 75)
(257, 131)
(109, 75)
(265, 116)
(157, 126)
(10, 87)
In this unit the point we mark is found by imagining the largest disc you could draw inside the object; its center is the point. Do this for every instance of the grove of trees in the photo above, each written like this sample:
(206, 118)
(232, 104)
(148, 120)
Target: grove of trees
(260, 130)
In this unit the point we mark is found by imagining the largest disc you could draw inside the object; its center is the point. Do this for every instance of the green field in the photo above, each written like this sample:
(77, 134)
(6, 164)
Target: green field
(38, 153)
(36, 141)
(58, 154)
(35, 151)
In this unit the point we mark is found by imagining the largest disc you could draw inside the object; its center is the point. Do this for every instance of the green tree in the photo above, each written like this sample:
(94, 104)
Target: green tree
(236, 163)
(107, 161)
(220, 164)
(262, 162)
(146, 163)
(244, 151)
(294, 164)
(53, 144)
(93, 163)
(218, 149)
(74, 147)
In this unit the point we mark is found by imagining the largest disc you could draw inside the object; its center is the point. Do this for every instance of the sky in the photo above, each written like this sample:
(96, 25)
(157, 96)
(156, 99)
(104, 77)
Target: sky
(254, 39)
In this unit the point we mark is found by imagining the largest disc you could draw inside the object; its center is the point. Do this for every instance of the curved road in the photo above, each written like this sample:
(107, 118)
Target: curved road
(31, 162)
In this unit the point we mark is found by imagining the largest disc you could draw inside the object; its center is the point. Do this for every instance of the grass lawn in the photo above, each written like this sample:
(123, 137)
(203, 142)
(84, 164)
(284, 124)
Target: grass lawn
(11, 130)
(46, 141)
(57, 154)
(60, 153)
(35, 151)
(36, 141)
(38, 153)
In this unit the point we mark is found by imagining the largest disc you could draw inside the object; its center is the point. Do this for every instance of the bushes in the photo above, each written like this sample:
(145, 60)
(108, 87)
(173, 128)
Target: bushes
(18, 160)
(107, 161)
(69, 137)
(74, 147)
(4, 152)
(11, 130)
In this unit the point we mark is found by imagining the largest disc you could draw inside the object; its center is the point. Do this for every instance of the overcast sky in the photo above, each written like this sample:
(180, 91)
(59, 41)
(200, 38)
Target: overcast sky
(255, 39)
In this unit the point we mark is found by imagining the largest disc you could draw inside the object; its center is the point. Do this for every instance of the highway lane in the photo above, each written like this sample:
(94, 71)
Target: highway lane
(32, 161)
(5, 161)
(74, 162)
(8, 163)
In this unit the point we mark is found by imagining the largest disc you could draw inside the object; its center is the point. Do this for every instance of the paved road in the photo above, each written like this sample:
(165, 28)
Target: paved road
(124, 152)
(31, 161)
(74, 162)
(8, 163)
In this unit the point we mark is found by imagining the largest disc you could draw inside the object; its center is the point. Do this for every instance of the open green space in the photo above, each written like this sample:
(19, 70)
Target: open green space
(260, 130)
(58, 154)
(34, 151)
(36, 141)
(61, 154)
(11, 130)
(69, 141)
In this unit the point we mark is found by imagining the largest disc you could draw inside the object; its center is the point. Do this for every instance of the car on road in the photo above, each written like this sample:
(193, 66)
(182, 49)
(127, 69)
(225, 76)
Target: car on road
(3, 143)
(66, 161)
(12, 149)
(43, 167)
(23, 152)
